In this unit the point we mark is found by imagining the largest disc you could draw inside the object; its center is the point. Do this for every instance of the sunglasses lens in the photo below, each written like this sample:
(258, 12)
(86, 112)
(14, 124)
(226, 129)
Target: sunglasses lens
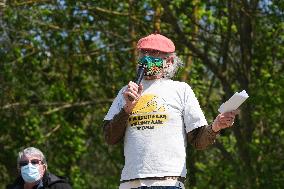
(24, 163)
(156, 52)
(35, 161)
(150, 61)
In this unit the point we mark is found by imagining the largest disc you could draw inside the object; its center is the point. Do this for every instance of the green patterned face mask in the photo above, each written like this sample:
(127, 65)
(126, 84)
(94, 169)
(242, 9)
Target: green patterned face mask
(153, 65)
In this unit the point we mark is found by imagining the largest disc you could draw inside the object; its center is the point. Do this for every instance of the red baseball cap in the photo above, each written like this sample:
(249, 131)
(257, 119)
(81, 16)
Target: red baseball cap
(156, 42)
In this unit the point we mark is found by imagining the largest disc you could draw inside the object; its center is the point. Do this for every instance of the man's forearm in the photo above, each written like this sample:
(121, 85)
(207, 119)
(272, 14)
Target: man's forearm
(202, 137)
(114, 129)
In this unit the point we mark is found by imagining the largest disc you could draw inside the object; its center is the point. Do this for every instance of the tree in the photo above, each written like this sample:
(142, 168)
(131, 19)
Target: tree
(62, 63)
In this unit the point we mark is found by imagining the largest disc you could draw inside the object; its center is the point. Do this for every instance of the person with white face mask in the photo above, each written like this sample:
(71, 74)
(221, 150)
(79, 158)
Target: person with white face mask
(32, 167)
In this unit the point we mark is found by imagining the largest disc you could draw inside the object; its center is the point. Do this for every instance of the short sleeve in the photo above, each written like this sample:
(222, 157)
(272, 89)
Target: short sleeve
(116, 105)
(192, 113)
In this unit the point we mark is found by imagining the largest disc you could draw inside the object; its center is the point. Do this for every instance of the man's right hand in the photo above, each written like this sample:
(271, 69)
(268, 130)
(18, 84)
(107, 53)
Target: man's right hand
(131, 95)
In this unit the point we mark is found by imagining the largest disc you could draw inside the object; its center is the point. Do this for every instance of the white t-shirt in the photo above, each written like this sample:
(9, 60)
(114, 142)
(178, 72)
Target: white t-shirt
(155, 139)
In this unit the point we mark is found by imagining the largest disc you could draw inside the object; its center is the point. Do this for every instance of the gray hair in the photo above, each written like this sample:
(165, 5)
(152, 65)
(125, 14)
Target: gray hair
(176, 63)
(31, 151)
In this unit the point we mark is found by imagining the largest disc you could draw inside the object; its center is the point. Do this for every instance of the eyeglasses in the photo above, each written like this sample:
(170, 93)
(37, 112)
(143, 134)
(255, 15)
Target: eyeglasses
(33, 161)
(155, 53)
(150, 61)
(150, 51)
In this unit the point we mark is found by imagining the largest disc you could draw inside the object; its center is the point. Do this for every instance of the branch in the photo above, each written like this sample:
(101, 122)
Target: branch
(210, 89)
(23, 3)
(225, 48)
(52, 131)
(49, 25)
(48, 134)
(224, 152)
(98, 50)
(98, 9)
(174, 21)
(110, 12)
(23, 57)
(2, 5)
(63, 105)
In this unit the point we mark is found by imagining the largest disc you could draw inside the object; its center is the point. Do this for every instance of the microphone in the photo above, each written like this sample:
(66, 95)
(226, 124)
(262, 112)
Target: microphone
(139, 77)
(140, 74)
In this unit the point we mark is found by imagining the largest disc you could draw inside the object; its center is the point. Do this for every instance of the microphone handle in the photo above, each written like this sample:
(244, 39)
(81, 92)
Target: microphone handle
(139, 77)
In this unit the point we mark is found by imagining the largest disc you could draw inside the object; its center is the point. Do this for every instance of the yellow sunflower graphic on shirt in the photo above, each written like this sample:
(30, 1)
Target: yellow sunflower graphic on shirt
(150, 111)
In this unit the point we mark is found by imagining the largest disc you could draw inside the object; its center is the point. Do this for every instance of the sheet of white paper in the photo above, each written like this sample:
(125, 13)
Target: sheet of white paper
(234, 102)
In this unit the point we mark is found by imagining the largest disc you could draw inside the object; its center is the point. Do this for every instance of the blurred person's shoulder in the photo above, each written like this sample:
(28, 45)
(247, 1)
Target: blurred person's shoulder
(56, 182)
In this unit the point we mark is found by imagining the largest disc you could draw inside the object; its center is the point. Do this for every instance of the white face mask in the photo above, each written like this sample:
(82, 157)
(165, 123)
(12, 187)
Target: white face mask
(30, 173)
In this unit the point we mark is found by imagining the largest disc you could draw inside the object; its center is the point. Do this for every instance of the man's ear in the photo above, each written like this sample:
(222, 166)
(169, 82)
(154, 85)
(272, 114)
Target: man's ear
(45, 167)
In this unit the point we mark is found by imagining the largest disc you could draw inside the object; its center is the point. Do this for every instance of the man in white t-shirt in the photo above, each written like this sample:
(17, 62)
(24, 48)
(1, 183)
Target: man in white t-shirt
(156, 119)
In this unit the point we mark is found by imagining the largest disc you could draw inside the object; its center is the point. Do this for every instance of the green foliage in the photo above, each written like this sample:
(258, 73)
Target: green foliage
(63, 62)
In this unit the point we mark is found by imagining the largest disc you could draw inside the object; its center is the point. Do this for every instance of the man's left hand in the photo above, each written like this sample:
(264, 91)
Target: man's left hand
(224, 120)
